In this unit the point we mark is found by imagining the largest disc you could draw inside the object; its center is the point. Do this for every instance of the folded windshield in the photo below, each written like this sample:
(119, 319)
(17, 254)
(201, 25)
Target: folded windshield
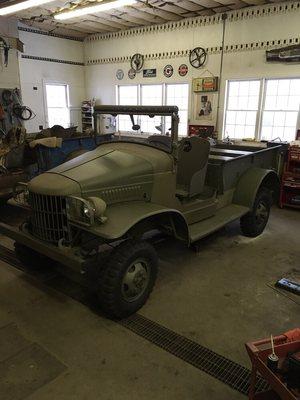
(156, 126)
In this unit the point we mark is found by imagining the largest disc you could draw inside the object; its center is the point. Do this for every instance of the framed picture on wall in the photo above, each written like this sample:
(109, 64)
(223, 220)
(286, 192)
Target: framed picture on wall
(204, 107)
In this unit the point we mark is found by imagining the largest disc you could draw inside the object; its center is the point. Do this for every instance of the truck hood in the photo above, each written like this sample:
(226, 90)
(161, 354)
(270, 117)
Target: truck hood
(54, 185)
(110, 165)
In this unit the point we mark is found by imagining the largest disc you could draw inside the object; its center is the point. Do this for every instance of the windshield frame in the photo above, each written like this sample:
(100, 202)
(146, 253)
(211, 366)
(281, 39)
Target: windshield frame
(150, 111)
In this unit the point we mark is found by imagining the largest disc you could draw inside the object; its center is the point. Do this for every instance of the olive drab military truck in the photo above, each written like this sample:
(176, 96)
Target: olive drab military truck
(122, 190)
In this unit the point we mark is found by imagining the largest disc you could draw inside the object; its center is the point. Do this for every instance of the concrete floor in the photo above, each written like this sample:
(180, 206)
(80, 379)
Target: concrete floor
(218, 297)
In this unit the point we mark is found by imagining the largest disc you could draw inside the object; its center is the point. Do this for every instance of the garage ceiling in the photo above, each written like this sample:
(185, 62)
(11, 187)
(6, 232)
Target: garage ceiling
(144, 12)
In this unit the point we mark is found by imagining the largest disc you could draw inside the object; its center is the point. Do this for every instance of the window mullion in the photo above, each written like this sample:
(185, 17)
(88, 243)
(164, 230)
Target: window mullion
(164, 103)
(261, 106)
(226, 109)
(139, 99)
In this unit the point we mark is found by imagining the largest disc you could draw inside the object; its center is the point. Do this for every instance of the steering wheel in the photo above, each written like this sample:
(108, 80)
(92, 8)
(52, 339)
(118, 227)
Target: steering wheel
(197, 57)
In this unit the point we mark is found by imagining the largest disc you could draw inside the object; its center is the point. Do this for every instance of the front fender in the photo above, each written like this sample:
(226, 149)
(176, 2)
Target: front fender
(250, 182)
(121, 217)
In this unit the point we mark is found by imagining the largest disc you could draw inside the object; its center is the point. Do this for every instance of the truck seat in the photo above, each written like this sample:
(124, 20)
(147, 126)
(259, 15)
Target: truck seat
(192, 165)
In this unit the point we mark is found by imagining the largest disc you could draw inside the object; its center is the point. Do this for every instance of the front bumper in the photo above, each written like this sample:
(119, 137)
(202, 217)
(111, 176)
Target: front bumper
(63, 255)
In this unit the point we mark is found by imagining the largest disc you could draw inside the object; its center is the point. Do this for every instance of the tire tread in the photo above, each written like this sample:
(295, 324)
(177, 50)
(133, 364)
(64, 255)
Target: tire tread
(247, 222)
(112, 273)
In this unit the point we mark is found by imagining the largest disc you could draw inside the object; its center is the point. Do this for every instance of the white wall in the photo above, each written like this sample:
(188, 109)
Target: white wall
(240, 29)
(9, 76)
(35, 73)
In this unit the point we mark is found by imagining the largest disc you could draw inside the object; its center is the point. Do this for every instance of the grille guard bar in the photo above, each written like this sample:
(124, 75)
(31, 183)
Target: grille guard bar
(63, 255)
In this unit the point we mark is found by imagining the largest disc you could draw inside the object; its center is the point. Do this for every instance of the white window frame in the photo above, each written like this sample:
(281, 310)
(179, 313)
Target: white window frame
(257, 120)
(264, 100)
(55, 83)
(261, 103)
(164, 101)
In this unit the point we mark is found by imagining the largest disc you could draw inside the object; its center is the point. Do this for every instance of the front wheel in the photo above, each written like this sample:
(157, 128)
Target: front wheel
(127, 279)
(254, 222)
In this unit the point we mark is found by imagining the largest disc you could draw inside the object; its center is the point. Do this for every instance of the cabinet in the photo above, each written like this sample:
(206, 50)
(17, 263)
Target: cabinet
(290, 182)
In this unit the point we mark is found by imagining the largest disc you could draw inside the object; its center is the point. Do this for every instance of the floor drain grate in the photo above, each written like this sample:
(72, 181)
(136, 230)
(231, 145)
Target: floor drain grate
(225, 370)
(232, 374)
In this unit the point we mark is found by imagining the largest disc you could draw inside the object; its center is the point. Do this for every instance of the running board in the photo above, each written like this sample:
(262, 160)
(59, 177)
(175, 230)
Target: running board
(222, 217)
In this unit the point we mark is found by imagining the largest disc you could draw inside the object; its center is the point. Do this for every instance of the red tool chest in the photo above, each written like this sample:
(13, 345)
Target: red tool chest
(290, 182)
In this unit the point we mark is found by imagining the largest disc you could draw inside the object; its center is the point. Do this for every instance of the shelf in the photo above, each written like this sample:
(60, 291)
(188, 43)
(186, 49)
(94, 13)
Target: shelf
(87, 118)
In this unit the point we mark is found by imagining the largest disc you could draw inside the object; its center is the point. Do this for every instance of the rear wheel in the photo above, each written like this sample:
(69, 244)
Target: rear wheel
(127, 279)
(30, 258)
(254, 222)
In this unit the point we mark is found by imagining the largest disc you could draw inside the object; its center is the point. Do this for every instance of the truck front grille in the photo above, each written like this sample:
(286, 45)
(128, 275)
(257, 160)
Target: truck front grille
(48, 219)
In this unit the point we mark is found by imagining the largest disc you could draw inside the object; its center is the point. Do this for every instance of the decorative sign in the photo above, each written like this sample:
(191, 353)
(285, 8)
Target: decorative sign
(120, 74)
(137, 62)
(284, 54)
(149, 73)
(168, 71)
(205, 84)
(131, 73)
(183, 70)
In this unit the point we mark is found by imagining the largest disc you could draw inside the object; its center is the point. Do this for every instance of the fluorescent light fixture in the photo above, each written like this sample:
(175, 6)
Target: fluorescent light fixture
(77, 12)
(14, 8)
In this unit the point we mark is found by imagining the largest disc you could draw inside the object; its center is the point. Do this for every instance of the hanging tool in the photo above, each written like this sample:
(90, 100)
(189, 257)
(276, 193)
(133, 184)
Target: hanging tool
(5, 50)
(2, 121)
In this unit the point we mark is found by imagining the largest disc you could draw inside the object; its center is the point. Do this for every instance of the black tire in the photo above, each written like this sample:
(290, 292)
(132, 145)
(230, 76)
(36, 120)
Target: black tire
(129, 258)
(31, 259)
(254, 222)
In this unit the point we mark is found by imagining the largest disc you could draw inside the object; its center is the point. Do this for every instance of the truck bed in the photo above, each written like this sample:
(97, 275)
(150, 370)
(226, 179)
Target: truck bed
(224, 153)
(228, 162)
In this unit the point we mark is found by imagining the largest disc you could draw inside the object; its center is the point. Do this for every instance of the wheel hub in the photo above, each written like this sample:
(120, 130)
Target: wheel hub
(135, 280)
(261, 213)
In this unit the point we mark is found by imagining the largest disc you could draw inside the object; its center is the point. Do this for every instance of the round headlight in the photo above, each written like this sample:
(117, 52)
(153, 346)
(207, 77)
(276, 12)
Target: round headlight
(86, 211)
(99, 206)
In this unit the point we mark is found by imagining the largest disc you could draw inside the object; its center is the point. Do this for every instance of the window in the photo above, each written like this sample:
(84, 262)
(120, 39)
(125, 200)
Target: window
(151, 95)
(282, 100)
(127, 96)
(242, 109)
(57, 105)
(264, 109)
(178, 95)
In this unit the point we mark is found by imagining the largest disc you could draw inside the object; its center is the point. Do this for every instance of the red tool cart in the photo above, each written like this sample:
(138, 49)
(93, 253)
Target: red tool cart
(290, 181)
(285, 347)
(203, 131)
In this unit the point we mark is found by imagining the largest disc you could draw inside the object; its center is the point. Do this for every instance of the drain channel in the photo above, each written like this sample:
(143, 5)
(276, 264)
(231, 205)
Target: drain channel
(232, 374)
(225, 370)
